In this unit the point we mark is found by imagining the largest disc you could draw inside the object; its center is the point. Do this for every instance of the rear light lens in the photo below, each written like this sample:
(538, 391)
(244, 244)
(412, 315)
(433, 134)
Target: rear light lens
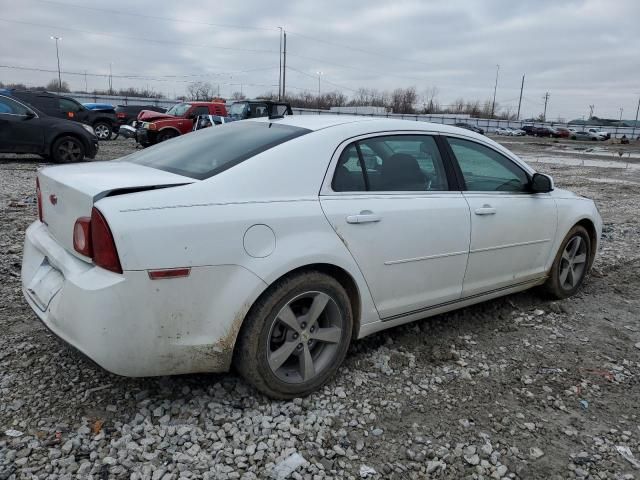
(120, 115)
(82, 236)
(104, 248)
(92, 238)
(39, 196)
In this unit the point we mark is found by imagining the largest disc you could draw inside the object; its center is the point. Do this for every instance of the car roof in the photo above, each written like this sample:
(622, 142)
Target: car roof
(319, 122)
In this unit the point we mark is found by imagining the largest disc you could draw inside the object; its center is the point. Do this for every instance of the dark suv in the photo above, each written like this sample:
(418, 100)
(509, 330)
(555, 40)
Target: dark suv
(103, 121)
(25, 129)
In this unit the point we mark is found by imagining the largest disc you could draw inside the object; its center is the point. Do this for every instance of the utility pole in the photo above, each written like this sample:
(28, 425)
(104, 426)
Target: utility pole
(319, 75)
(591, 107)
(520, 101)
(56, 38)
(280, 68)
(111, 80)
(86, 88)
(495, 88)
(621, 109)
(633, 132)
(546, 99)
(284, 65)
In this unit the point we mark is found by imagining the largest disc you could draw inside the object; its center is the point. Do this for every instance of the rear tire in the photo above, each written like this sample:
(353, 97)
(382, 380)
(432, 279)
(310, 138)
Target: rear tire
(295, 336)
(67, 150)
(571, 264)
(103, 130)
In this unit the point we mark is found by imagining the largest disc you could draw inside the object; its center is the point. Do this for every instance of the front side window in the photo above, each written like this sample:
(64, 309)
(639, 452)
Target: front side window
(179, 109)
(11, 107)
(207, 152)
(393, 163)
(485, 170)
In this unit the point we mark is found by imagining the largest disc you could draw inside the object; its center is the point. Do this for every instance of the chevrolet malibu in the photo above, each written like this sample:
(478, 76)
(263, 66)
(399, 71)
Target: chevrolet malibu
(271, 244)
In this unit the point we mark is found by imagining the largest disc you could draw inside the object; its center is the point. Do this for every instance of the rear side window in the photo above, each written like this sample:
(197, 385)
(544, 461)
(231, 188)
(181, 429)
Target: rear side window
(207, 152)
(393, 163)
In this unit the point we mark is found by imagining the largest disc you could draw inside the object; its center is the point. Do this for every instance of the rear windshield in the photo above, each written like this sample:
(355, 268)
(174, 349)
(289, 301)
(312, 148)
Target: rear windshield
(207, 152)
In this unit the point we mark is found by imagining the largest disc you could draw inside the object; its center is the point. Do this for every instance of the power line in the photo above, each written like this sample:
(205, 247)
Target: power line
(324, 79)
(156, 17)
(357, 49)
(130, 37)
(133, 77)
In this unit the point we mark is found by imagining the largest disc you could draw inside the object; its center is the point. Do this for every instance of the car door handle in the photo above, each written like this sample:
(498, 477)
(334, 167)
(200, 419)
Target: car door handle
(485, 210)
(365, 216)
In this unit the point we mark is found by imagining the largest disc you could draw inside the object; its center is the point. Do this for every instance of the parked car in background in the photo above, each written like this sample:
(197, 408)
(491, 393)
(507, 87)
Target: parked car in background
(516, 132)
(563, 132)
(154, 127)
(270, 245)
(546, 131)
(601, 133)
(25, 129)
(529, 129)
(103, 121)
(127, 114)
(502, 131)
(98, 106)
(586, 135)
(468, 126)
(258, 108)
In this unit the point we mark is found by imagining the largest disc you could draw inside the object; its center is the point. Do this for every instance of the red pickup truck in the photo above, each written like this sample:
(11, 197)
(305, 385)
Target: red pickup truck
(154, 127)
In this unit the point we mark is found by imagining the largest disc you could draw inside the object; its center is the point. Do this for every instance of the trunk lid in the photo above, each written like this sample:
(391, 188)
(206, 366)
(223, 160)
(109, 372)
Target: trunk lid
(150, 116)
(69, 191)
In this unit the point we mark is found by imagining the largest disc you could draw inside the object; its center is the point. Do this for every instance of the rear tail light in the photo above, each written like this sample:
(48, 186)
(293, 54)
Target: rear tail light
(39, 196)
(120, 115)
(92, 238)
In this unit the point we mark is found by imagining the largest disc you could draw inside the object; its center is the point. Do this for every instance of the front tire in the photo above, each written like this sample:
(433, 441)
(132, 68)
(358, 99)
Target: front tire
(296, 335)
(571, 264)
(167, 135)
(67, 150)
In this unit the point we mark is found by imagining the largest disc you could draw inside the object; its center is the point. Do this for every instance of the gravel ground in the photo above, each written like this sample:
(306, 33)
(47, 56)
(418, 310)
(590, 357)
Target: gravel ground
(518, 387)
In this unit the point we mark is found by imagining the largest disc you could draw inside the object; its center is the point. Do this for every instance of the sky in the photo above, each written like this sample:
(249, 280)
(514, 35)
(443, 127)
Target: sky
(582, 52)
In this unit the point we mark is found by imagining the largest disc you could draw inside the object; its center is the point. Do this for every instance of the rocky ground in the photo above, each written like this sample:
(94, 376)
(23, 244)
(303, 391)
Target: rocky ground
(518, 387)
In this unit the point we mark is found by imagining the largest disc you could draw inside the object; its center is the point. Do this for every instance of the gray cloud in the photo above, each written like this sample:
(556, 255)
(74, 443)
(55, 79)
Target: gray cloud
(582, 52)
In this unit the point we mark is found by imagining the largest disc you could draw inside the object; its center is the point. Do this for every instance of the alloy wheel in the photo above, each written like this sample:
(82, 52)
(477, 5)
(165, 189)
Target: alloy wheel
(304, 338)
(70, 151)
(102, 131)
(573, 263)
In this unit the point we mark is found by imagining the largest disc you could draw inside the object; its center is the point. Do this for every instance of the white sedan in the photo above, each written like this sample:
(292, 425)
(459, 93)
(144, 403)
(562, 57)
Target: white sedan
(272, 244)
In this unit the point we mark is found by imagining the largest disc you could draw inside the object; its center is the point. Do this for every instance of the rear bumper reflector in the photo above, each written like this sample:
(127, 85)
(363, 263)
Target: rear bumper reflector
(169, 273)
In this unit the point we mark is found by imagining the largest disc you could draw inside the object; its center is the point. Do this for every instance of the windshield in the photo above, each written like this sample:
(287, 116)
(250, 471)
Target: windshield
(237, 111)
(207, 152)
(179, 109)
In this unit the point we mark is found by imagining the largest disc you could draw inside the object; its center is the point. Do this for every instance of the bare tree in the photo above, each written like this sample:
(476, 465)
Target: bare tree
(237, 96)
(200, 91)
(54, 86)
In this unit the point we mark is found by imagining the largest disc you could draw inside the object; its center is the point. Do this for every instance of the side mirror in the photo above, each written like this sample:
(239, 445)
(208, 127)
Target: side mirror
(541, 183)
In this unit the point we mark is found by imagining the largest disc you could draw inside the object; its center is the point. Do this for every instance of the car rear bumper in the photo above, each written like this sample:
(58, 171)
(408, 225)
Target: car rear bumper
(129, 324)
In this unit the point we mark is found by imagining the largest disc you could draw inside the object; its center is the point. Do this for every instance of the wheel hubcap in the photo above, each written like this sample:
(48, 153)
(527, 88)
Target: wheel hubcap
(69, 151)
(304, 337)
(102, 132)
(573, 263)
